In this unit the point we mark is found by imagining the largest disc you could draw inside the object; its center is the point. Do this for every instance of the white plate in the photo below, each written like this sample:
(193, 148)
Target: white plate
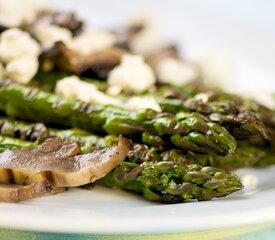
(111, 212)
(105, 211)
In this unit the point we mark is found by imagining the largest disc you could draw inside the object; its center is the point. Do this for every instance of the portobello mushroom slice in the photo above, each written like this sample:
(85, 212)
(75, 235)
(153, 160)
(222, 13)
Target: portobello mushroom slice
(3, 28)
(58, 162)
(63, 19)
(99, 64)
(124, 35)
(170, 51)
(17, 193)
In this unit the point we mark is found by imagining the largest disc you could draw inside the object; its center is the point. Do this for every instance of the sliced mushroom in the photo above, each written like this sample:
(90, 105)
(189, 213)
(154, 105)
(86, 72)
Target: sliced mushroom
(3, 28)
(169, 51)
(97, 64)
(57, 161)
(17, 193)
(67, 20)
(37, 132)
(124, 35)
(59, 57)
(63, 19)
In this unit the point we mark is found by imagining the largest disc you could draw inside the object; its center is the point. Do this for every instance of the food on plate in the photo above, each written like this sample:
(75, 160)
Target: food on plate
(172, 182)
(184, 131)
(59, 163)
(121, 108)
(167, 181)
(247, 153)
(17, 193)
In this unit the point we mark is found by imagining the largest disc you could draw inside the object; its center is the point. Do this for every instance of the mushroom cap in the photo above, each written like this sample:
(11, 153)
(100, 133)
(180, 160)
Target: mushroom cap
(57, 161)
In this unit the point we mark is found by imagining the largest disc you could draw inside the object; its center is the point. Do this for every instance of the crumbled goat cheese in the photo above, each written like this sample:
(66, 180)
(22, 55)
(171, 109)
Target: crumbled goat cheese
(49, 34)
(15, 43)
(203, 97)
(90, 41)
(14, 13)
(132, 75)
(22, 69)
(135, 103)
(216, 70)
(148, 40)
(114, 90)
(176, 72)
(250, 182)
(73, 87)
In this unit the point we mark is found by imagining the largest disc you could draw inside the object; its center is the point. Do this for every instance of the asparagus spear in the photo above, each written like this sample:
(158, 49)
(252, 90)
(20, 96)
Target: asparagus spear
(48, 80)
(240, 123)
(246, 155)
(164, 181)
(227, 109)
(267, 160)
(267, 115)
(37, 132)
(189, 132)
(7, 143)
(23, 130)
(172, 182)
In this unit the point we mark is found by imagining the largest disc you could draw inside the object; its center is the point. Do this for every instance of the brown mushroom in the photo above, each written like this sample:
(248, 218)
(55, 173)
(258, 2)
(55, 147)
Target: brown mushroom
(63, 19)
(169, 51)
(67, 20)
(97, 64)
(57, 161)
(124, 35)
(17, 193)
(3, 28)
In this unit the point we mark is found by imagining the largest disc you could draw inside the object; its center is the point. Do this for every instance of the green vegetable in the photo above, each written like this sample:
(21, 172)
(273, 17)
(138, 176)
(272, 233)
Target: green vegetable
(37, 132)
(242, 123)
(7, 143)
(48, 80)
(189, 131)
(246, 154)
(164, 181)
(172, 182)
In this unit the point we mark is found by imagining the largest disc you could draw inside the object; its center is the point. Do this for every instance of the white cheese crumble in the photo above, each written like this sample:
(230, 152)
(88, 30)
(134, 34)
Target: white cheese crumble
(73, 87)
(148, 40)
(22, 69)
(249, 182)
(135, 103)
(176, 72)
(216, 70)
(49, 34)
(15, 43)
(203, 97)
(14, 13)
(132, 75)
(90, 41)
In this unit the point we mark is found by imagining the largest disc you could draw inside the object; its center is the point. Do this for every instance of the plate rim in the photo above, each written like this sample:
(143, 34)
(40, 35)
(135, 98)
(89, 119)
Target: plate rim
(114, 225)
